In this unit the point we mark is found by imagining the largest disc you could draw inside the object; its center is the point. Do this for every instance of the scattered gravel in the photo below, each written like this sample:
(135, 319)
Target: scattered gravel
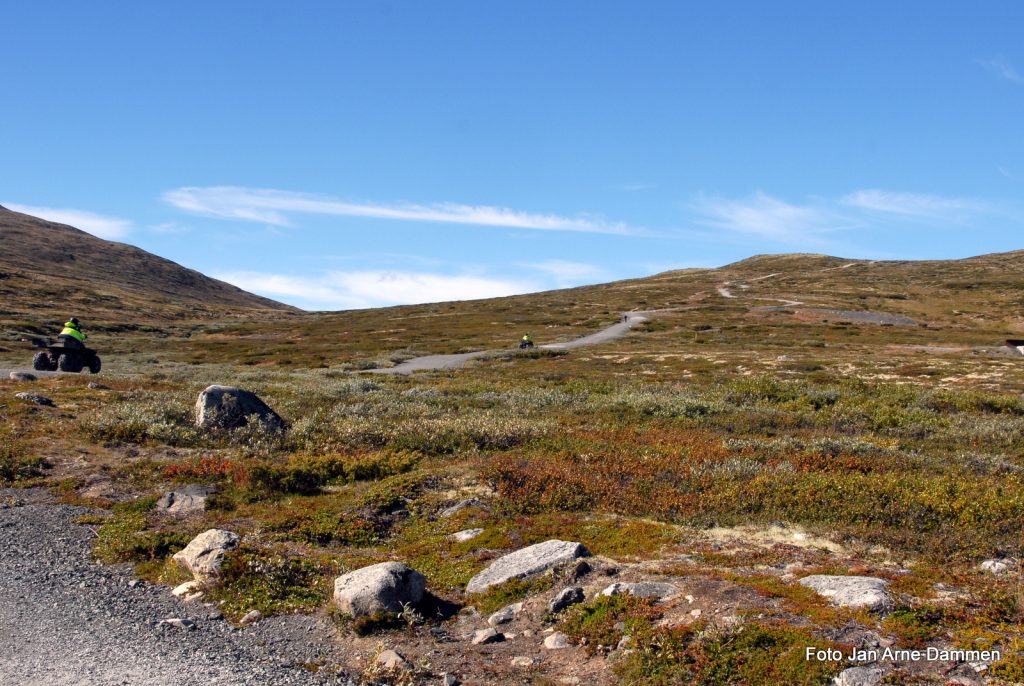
(65, 619)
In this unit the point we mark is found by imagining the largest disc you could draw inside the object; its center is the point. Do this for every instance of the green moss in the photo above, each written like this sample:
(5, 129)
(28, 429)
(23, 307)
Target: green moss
(597, 623)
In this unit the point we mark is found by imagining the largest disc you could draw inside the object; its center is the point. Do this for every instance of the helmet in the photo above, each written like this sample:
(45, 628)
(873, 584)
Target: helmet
(74, 320)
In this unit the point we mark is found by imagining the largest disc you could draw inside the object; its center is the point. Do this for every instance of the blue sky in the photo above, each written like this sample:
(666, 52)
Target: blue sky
(353, 154)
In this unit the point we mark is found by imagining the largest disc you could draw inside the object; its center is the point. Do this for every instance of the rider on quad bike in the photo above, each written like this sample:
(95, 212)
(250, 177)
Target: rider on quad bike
(72, 335)
(525, 342)
(67, 354)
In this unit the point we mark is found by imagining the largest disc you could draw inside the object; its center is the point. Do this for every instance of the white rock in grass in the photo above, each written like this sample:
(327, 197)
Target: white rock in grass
(383, 587)
(851, 591)
(526, 562)
(204, 555)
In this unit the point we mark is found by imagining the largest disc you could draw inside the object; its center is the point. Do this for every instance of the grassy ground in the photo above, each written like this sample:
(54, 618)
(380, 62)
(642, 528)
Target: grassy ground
(898, 446)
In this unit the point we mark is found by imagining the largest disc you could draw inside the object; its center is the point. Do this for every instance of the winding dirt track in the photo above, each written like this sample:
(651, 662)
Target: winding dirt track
(432, 362)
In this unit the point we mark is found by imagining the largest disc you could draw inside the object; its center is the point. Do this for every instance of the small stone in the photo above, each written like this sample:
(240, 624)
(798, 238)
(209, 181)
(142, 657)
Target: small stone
(528, 633)
(624, 643)
(450, 680)
(556, 641)
(134, 583)
(204, 555)
(994, 566)
(485, 636)
(695, 613)
(565, 598)
(645, 589)
(191, 597)
(185, 589)
(97, 386)
(505, 614)
(34, 398)
(23, 376)
(392, 661)
(180, 623)
(465, 535)
(215, 616)
(859, 676)
(522, 661)
(251, 616)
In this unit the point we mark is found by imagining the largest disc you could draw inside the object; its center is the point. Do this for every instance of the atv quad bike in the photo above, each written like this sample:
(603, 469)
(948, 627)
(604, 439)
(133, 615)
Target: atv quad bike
(525, 345)
(57, 356)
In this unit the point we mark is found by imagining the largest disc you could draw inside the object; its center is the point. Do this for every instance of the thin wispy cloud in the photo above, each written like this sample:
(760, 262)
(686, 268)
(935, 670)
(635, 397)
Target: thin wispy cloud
(101, 226)
(768, 218)
(1002, 68)
(373, 288)
(274, 207)
(913, 205)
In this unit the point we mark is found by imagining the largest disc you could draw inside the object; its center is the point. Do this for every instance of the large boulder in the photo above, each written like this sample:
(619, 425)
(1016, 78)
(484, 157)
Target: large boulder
(383, 587)
(204, 555)
(851, 591)
(526, 562)
(227, 407)
(185, 500)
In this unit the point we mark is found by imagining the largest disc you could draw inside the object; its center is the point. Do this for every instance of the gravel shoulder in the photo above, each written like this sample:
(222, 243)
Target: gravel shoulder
(65, 619)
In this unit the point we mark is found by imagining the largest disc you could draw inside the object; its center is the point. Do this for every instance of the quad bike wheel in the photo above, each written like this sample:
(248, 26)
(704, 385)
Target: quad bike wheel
(94, 365)
(41, 362)
(69, 363)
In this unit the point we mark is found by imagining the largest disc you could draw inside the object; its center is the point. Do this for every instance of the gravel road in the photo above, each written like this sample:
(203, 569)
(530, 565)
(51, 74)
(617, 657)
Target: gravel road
(428, 362)
(66, 620)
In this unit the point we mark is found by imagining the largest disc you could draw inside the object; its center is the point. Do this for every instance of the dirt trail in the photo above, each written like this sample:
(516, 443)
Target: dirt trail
(431, 362)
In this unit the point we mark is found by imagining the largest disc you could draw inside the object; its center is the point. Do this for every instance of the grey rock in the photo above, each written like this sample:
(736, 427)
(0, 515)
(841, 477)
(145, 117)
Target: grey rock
(392, 661)
(97, 386)
(23, 376)
(465, 535)
(383, 587)
(556, 641)
(34, 398)
(251, 617)
(565, 598)
(851, 591)
(180, 623)
(645, 589)
(485, 636)
(526, 562)
(450, 680)
(994, 566)
(186, 589)
(505, 614)
(859, 676)
(522, 661)
(185, 500)
(204, 555)
(228, 407)
(462, 505)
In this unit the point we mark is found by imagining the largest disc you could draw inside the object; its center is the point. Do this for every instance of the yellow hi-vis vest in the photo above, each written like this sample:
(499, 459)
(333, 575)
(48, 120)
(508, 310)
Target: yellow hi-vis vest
(70, 330)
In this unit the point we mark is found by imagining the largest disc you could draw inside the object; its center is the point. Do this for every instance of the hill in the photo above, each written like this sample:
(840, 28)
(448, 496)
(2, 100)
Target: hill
(49, 269)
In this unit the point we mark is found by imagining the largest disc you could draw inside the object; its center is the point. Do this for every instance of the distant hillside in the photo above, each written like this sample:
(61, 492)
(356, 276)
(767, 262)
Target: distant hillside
(50, 270)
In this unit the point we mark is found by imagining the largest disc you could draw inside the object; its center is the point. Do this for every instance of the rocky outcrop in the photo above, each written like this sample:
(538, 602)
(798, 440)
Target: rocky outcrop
(204, 555)
(526, 562)
(383, 587)
(185, 500)
(465, 535)
(851, 591)
(34, 398)
(227, 407)
(859, 676)
(462, 505)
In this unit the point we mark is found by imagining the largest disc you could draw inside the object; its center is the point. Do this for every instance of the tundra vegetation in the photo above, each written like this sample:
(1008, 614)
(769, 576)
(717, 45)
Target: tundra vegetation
(896, 451)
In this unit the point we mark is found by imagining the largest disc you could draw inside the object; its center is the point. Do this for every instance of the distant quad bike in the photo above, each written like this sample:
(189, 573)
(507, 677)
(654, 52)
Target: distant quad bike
(524, 345)
(57, 356)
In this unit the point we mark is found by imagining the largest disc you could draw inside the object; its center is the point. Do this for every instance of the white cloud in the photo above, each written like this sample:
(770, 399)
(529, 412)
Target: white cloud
(274, 207)
(912, 205)
(373, 288)
(566, 273)
(769, 218)
(1002, 68)
(111, 228)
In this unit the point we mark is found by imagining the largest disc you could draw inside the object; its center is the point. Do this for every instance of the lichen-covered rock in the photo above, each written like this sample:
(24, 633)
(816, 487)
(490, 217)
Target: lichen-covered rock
(462, 505)
(392, 661)
(465, 535)
(204, 555)
(556, 641)
(227, 407)
(383, 587)
(526, 562)
(185, 500)
(34, 398)
(485, 636)
(851, 591)
(859, 676)
(505, 614)
(994, 566)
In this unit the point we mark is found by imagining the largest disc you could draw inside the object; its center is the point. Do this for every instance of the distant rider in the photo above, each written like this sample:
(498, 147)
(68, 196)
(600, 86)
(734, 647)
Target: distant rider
(526, 341)
(72, 335)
